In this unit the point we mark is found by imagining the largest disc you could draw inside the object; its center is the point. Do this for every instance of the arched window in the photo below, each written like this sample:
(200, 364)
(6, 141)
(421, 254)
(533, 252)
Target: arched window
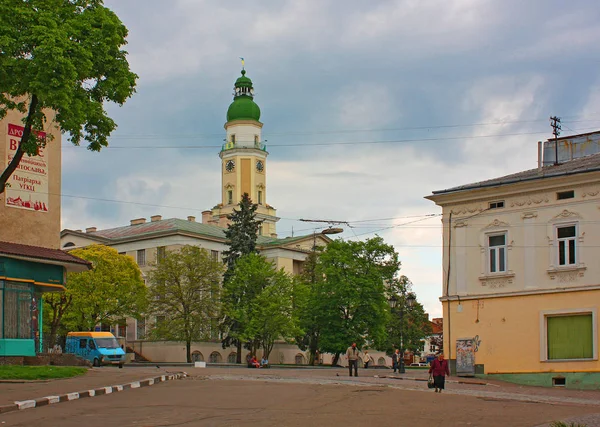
(215, 357)
(197, 357)
(381, 361)
(232, 358)
(299, 359)
(68, 245)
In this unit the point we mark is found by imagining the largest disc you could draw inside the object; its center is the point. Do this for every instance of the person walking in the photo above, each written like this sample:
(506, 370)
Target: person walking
(352, 355)
(396, 360)
(366, 359)
(439, 370)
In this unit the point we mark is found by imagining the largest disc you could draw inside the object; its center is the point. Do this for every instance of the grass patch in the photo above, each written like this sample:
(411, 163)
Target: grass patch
(15, 372)
(561, 424)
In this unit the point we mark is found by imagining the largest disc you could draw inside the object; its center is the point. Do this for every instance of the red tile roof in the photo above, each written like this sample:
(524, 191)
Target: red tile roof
(16, 249)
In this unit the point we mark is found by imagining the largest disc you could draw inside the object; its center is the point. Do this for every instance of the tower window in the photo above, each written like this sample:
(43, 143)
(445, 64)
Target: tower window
(260, 200)
(233, 138)
(256, 139)
(229, 197)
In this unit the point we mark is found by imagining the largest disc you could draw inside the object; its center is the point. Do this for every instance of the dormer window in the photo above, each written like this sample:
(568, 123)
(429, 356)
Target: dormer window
(562, 195)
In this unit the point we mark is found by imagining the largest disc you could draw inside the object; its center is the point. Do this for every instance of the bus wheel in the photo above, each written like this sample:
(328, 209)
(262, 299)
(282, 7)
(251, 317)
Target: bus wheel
(96, 362)
(120, 366)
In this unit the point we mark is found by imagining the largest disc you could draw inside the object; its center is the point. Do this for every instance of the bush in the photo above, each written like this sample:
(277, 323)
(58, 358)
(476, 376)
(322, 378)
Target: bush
(561, 424)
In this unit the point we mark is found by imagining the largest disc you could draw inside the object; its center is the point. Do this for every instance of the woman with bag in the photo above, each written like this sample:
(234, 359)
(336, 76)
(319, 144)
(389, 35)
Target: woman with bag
(439, 370)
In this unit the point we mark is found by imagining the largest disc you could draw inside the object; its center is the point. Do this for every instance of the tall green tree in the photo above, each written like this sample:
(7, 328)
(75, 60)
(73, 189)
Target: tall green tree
(267, 314)
(408, 324)
(112, 291)
(306, 289)
(184, 295)
(241, 235)
(65, 56)
(351, 301)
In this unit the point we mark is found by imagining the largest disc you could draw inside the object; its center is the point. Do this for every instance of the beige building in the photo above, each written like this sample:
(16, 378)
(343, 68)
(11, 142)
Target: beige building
(243, 170)
(521, 277)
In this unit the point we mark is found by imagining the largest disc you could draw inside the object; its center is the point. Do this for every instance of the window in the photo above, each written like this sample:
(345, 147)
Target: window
(562, 195)
(214, 255)
(17, 306)
(256, 139)
(229, 197)
(160, 253)
(122, 253)
(82, 343)
(496, 205)
(233, 138)
(570, 336)
(141, 257)
(566, 236)
(497, 253)
(140, 328)
(260, 197)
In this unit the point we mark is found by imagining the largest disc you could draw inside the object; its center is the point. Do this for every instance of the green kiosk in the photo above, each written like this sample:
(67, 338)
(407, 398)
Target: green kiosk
(25, 273)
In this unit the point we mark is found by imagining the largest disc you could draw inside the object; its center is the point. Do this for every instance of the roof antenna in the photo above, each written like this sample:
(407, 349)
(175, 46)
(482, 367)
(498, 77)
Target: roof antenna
(555, 123)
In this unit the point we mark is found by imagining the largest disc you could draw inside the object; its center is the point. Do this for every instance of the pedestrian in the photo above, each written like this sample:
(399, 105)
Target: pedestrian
(395, 360)
(366, 359)
(439, 370)
(352, 355)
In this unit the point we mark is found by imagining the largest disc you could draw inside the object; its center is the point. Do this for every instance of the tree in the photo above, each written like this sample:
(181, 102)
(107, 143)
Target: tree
(408, 325)
(241, 235)
(350, 302)
(56, 304)
(306, 289)
(64, 56)
(112, 291)
(269, 315)
(184, 295)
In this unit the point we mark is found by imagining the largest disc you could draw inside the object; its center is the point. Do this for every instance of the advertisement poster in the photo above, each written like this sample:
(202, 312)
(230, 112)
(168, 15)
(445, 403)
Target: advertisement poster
(465, 357)
(28, 185)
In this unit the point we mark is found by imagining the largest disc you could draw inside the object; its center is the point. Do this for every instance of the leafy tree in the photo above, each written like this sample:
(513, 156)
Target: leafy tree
(270, 314)
(350, 302)
(184, 295)
(408, 325)
(56, 304)
(306, 289)
(64, 56)
(113, 290)
(241, 235)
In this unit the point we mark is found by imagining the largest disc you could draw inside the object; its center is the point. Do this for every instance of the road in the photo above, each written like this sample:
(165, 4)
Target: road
(242, 397)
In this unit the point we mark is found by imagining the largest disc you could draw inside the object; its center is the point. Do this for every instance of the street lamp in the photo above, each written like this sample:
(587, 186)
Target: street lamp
(409, 302)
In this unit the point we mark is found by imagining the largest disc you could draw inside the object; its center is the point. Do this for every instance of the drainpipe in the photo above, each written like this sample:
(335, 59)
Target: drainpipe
(448, 283)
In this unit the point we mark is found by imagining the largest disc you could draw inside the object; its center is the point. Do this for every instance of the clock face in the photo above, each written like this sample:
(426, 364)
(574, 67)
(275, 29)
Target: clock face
(230, 166)
(260, 166)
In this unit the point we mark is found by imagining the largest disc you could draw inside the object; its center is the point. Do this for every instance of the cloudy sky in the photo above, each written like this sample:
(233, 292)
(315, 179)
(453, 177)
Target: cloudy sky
(368, 106)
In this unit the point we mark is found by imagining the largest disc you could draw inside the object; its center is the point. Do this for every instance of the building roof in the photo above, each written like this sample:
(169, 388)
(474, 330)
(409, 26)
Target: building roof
(43, 254)
(243, 106)
(176, 225)
(577, 166)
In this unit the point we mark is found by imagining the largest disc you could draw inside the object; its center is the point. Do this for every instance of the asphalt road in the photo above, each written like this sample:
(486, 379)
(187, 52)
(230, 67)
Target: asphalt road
(209, 401)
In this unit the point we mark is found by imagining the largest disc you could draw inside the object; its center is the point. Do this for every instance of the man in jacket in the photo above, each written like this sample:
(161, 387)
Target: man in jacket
(352, 355)
(396, 360)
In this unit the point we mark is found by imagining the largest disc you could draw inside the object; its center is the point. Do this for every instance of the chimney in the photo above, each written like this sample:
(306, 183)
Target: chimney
(207, 217)
(540, 154)
(79, 231)
(90, 229)
(138, 221)
(191, 218)
(155, 218)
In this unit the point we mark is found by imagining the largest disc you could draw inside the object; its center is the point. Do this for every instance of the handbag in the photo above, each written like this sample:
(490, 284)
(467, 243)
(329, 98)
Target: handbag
(430, 383)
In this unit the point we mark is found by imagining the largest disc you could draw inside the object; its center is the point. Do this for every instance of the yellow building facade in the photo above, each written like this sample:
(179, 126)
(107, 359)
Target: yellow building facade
(521, 285)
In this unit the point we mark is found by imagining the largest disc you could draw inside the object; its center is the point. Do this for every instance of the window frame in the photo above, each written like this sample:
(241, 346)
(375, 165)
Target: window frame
(496, 204)
(567, 312)
(488, 250)
(557, 243)
(140, 257)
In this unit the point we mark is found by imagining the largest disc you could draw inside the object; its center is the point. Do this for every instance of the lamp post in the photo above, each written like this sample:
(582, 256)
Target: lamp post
(408, 301)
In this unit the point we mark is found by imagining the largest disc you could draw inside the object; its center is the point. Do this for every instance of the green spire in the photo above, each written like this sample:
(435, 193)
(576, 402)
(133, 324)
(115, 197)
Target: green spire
(243, 106)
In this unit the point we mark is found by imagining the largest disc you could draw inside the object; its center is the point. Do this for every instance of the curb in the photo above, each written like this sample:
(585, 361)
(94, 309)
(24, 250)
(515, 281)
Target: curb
(424, 380)
(49, 400)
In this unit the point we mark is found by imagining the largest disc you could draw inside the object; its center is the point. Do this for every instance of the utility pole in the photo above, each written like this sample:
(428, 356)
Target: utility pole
(555, 123)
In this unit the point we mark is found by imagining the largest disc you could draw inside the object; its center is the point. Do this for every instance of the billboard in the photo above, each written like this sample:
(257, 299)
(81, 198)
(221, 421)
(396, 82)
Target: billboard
(27, 187)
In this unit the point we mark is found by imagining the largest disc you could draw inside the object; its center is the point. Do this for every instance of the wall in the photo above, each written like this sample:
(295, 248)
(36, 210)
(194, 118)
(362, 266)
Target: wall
(510, 333)
(30, 227)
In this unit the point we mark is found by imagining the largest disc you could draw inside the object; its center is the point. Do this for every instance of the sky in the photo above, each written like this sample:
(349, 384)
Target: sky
(367, 107)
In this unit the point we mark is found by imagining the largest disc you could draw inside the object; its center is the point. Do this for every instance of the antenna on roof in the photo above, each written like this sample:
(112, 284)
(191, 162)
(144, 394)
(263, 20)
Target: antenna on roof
(555, 123)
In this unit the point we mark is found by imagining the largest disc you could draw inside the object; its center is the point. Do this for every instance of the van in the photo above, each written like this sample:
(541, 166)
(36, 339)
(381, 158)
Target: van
(100, 348)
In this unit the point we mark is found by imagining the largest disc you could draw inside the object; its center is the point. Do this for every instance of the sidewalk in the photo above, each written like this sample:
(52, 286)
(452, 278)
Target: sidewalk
(94, 378)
